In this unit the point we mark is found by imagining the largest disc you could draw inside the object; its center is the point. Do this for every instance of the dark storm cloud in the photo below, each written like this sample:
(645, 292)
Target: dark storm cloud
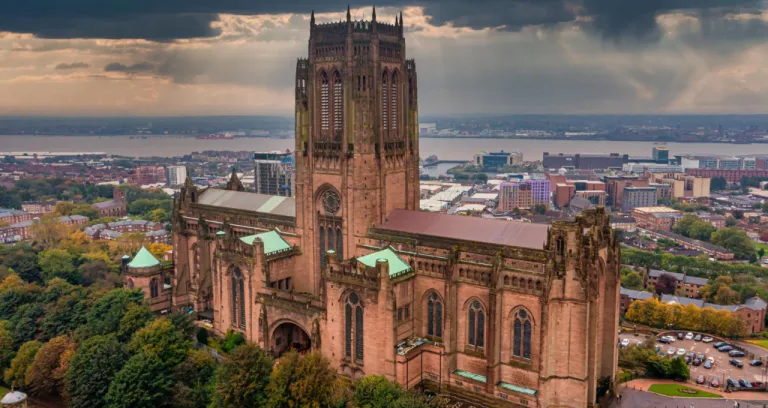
(138, 68)
(163, 20)
(74, 65)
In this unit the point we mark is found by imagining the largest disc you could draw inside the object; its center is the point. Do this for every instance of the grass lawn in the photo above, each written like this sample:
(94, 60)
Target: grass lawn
(676, 390)
(761, 343)
(3, 391)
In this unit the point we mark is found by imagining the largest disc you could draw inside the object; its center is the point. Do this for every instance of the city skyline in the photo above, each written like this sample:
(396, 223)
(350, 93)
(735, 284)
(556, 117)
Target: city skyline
(229, 57)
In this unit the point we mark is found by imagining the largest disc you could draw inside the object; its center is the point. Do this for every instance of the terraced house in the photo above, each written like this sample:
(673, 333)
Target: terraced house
(505, 313)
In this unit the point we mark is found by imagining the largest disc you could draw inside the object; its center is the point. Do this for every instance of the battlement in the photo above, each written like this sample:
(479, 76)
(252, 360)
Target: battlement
(335, 30)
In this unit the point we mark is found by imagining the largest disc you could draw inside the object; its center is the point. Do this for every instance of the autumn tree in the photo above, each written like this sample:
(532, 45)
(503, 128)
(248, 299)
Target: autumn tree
(46, 374)
(48, 231)
(161, 338)
(16, 374)
(632, 280)
(241, 381)
(158, 250)
(727, 296)
(303, 381)
(666, 283)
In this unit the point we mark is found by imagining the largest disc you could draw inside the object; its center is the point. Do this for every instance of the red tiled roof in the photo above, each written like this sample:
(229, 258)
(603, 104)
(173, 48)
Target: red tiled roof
(499, 232)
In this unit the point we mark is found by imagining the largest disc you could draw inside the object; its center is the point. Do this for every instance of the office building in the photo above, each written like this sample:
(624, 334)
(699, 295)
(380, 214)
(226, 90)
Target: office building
(584, 161)
(498, 159)
(660, 154)
(523, 195)
(175, 175)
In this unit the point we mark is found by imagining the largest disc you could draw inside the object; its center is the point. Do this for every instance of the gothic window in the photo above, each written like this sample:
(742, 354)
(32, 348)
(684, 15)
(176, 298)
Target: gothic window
(384, 102)
(322, 248)
(130, 283)
(521, 339)
(476, 326)
(393, 106)
(560, 246)
(338, 102)
(353, 328)
(434, 315)
(324, 113)
(338, 245)
(238, 299)
(153, 288)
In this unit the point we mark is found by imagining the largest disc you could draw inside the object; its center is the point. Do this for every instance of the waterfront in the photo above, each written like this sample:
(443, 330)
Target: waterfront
(445, 149)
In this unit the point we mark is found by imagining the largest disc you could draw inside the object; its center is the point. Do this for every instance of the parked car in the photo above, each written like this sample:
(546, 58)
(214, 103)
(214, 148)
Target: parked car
(672, 351)
(715, 382)
(701, 356)
(689, 336)
(725, 348)
(736, 353)
(744, 383)
(756, 363)
(757, 384)
(663, 340)
(696, 361)
(707, 339)
(732, 382)
(708, 364)
(736, 363)
(680, 335)
(700, 379)
(680, 351)
(624, 342)
(670, 338)
(691, 355)
(719, 344)
(687, 360)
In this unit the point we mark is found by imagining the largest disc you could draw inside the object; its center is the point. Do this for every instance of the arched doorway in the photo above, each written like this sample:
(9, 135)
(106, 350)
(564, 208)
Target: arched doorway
(289, 335)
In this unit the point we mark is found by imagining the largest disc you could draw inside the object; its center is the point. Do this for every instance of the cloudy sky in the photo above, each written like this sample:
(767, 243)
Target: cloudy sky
(235, 57)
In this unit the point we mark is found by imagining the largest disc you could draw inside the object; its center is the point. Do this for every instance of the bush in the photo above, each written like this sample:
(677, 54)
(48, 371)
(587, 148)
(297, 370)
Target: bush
(231, 340)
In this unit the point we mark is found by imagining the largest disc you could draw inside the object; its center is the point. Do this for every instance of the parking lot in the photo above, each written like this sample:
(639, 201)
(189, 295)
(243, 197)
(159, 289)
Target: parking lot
(721, 367)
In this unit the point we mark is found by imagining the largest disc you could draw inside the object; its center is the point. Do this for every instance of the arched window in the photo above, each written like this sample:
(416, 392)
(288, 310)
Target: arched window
(324, 113)
(560, 246)
(322, 247)
(331, 237)
(130, 283)
(339, 247)
(521, 340)
(238, 299)
(476, 320)
(153, 288)
(384, 102)
(393, 106)
(434, 315)
(353, 328)
(338, 104)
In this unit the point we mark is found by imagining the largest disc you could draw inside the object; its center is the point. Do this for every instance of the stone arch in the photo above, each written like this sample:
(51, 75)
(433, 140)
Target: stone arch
(286, 334)
(430, 312)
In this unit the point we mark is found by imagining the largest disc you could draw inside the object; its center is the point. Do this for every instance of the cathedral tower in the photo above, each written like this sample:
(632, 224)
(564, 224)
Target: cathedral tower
(357, 147)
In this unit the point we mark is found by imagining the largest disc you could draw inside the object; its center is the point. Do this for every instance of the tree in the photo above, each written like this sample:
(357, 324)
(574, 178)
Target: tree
(161, 338)
(92, 369)
(701, 230)
(679, 369)
(736, 240)
(23, 261)
(58, 263)
(727, 296)
(105, 315)
(45, 376)
(666, 283)
(632, 280)
(65, 314)
(6, 346)
(135, 318)
(761, 252)
(95, 273)
(159, 215)
(738, 214)
(49, 231)
(159, 250)
(15, 375)
(303, 381)
(683, 226)
(730, 222)
(375, 391)
(241, 381)
(540, 209)
(718, 184)
(144, 382)
(193, 380)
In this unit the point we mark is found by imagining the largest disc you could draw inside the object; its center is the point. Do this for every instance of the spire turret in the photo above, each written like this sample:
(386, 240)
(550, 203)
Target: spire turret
(312, 19)
(349, 15)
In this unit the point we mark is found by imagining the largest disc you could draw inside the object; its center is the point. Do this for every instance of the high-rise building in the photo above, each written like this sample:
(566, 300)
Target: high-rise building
(149, 175)
(273, 177)
(524, 194)
(660, 154)
(175, 175)
(639, 197)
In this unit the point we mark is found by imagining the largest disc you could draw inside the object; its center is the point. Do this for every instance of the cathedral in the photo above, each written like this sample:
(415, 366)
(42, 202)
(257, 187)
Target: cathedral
(502, 313)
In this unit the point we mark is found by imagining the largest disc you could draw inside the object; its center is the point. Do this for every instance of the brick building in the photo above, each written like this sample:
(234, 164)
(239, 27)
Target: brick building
(687, 286)
(731, 176)
(39, 207)
(627, 296)
(149, 175)
(525, 194)
(117, 207)
(751, 312)
(615, 185)
(503, 313)
(656, 218)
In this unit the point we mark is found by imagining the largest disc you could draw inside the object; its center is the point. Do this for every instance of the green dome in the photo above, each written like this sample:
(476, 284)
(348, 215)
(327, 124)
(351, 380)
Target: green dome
(144, 259)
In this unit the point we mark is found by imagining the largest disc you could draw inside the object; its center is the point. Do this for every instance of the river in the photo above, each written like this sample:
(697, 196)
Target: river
(445, 149)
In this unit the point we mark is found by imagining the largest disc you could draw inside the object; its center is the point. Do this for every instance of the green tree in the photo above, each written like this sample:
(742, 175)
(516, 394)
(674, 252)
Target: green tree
(6, 346)
(730, 222)
(683, 226)
(375, 391)
(303, 381)
(92, 369)
(16, 374)
(46, 374)
(105, 315)
(135, 318)
(679, 369)
(701, 230)
(632, 280)
(23, 260)
(718, 184)
(736, 240)
(58, 263)
(193, 381)
(144, 382)
(65, 314)
(161, 338)
(241, 381)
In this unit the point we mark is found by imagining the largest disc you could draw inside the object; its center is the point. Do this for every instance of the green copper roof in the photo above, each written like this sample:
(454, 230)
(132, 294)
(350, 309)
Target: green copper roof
(516, 388)
(397, 266)
(471, 376)
(143, 259)
(220, 233)
(273, 242)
